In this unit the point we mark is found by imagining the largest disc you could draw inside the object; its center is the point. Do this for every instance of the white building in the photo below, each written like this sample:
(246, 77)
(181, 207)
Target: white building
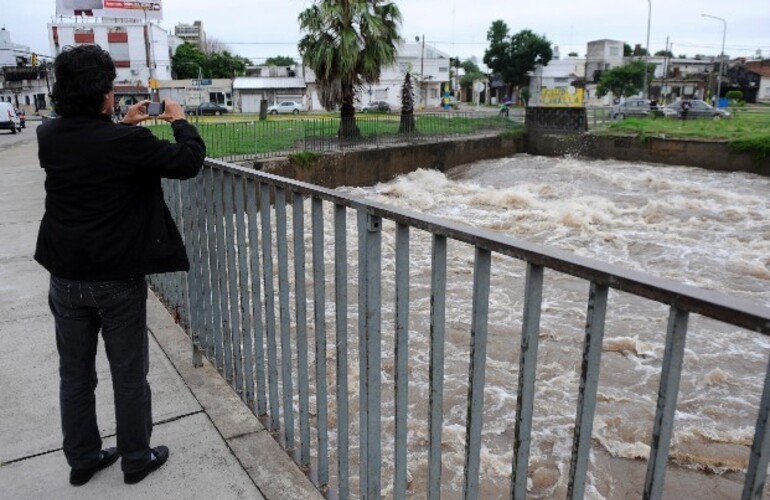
(192, 34)
(429, 68)
(141, 51)
(22, 84)
(601, 56)
(557, 74)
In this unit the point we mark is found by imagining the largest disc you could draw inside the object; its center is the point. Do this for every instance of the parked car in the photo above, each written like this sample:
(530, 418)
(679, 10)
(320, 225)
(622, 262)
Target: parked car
(22, 117)
(286, 107)
(375, 107)
(637, 108)
(698, 109)
(207, 108)
(8, 118)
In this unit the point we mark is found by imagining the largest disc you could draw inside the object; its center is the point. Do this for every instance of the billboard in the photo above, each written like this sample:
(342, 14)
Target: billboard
(136, 9)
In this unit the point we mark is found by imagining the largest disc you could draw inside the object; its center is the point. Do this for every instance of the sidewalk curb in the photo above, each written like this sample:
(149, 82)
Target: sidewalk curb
(273, 472)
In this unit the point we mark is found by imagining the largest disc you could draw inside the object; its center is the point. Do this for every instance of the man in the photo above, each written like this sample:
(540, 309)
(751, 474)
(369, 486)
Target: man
(105, 227)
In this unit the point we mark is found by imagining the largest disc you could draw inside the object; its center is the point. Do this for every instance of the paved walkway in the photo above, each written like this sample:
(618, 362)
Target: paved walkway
(219, 450)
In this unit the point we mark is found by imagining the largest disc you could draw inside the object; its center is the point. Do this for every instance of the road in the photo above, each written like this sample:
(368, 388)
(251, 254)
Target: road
(8, 139)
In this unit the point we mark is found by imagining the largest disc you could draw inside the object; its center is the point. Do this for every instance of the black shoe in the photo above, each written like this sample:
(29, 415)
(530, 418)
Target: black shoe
(79, 477)
(159, 457)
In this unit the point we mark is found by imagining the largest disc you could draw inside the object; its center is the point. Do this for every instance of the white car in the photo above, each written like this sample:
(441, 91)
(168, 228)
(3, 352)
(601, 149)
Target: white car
(9, 120)
(286, 107)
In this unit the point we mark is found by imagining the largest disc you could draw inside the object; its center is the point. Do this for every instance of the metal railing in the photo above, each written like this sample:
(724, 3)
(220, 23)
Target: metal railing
(245, 140)
(246, 231)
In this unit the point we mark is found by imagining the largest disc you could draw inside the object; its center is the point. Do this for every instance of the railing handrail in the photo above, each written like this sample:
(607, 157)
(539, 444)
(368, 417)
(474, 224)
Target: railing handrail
(713, 304)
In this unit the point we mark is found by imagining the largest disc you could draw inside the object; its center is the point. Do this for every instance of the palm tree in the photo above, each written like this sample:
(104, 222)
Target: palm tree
(346, 43)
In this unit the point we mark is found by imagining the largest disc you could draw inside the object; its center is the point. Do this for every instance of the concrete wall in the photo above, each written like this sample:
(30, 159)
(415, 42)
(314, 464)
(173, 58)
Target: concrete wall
(696, 153)
(366, 168)
(543, 119)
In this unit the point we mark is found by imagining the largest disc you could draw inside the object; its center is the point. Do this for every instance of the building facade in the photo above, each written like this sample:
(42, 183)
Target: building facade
(192, 34)
(23, 76)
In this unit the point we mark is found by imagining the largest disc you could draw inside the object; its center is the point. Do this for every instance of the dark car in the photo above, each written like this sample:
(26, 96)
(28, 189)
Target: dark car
(376, 107)
(697, 109)
(208, 108)
(636, 108)
(22, 117)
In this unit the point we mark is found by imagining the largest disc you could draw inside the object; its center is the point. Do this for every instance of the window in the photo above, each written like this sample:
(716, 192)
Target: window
(381, 94)
(614, 51)
(26, 100)
(434, 93)
(443, 69)
(119, 51)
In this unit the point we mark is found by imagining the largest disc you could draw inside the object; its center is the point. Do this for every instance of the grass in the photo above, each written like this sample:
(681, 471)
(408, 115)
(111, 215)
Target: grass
(235, 135)
(747, 130)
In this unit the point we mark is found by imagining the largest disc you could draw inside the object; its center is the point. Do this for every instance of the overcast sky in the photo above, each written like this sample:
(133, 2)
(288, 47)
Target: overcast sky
(257, 29)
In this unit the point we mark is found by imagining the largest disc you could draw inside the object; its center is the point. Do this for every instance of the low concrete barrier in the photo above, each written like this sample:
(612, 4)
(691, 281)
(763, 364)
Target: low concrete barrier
(368, 167)
(712, 155)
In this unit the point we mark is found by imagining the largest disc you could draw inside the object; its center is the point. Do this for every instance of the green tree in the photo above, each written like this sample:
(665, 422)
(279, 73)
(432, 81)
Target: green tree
(224, 65)
(626, 80)
(346, 44)
(664, 53)
(512, 57)
(280, 61)
(472, 73)
(627, 50)
(187, 62)
(407, 124)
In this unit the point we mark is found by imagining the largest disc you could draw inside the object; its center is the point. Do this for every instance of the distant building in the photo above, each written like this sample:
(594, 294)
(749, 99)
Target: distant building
(762, 69)
(141, 51)
(601, 56)
(429, 68)
(192, 34)
(23, 80)
(557, 74)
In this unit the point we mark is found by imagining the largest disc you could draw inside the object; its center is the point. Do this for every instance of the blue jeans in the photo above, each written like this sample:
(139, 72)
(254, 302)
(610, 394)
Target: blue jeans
(117, 308)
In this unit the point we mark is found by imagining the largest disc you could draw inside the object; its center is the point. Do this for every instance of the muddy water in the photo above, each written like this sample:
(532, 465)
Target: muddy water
(705, 229)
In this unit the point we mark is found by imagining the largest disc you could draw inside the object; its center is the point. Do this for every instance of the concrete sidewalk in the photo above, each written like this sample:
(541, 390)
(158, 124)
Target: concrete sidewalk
(218, 448)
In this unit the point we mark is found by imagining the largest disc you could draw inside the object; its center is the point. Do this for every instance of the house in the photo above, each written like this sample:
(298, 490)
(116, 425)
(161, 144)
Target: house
(557, 74)
(601, 56)
(762, 69)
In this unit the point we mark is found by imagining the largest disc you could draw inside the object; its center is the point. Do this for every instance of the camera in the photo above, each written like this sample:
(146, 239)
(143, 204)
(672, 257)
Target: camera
(156, 108)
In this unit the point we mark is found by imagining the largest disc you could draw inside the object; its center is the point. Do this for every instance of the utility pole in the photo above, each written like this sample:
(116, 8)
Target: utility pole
(666, 61)
(721, 56)
(647, 57)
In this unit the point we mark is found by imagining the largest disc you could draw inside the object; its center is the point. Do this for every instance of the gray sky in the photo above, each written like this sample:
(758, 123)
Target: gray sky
(259, 28)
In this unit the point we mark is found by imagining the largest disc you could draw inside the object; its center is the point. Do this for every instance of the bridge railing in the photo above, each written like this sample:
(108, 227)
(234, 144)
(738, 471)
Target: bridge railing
(245, 305)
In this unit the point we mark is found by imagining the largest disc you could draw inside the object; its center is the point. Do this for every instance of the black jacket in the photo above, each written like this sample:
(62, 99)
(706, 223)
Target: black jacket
(105, 217)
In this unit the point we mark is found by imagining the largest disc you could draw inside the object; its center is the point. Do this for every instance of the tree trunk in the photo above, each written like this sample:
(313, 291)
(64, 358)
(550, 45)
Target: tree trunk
(407, 125)
(348, 128)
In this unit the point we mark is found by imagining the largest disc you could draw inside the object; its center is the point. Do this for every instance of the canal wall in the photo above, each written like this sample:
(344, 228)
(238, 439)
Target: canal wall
(711, 155)
(371, 166)
(368, 167)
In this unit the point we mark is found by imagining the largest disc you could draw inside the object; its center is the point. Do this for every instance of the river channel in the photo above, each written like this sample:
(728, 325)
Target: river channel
(702, 228)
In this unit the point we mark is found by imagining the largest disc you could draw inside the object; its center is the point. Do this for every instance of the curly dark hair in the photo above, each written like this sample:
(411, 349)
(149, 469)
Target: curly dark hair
(84, 75)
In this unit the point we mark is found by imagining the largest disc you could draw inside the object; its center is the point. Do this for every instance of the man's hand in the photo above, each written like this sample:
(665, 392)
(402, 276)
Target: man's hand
(136, 113)
(173, 111)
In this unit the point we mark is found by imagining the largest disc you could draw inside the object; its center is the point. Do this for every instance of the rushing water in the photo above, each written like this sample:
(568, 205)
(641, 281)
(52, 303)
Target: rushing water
(702, 228)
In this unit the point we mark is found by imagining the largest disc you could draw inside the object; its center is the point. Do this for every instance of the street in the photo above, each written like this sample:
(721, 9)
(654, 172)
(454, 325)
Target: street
(8, 139)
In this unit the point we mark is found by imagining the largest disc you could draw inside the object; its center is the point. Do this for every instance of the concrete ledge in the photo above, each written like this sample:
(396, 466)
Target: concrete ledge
(711, 155)
(267, 464)
(369, 167)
